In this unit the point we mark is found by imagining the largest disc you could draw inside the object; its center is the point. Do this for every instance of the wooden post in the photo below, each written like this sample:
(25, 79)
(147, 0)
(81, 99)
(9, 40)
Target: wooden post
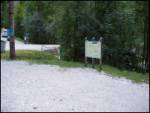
(100, 60)
(11, 25)
(100, 64)
(92, 62)
(93, 40)
(85, 59)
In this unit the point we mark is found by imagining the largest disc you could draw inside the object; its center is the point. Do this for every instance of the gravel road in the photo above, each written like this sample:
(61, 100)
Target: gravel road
(27, 87)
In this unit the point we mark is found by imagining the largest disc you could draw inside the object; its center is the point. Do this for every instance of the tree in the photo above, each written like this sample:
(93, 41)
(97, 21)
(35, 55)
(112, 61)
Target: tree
(4, 14)
(39, 22)
(19, 15)
(11, 27)
(146, 35)
(120, 23)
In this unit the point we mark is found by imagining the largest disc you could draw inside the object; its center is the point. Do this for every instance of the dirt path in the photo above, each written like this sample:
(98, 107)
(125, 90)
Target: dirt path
(29, 87)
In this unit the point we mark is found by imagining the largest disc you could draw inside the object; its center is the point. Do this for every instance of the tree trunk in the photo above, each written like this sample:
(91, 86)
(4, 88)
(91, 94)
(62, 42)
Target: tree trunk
(11, 24)
(146, 35)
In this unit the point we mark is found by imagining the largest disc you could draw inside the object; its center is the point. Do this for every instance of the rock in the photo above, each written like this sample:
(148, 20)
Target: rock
(34, 107)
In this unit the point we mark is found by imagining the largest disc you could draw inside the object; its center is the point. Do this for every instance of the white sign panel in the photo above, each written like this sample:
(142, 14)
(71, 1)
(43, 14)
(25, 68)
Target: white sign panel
(93, 50)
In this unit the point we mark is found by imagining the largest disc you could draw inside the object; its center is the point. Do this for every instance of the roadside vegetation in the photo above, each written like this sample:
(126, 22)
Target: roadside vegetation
(47, 58)
(122, 24)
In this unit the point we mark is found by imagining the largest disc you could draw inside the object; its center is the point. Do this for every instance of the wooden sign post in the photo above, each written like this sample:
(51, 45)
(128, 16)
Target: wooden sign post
(11, 30)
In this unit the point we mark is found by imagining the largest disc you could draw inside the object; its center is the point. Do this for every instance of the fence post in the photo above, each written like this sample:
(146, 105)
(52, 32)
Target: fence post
(100, 60)
(85, 59)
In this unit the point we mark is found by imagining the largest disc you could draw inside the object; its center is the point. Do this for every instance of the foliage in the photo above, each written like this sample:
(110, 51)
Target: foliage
(4, 14)
(122, 24)
(19, 15)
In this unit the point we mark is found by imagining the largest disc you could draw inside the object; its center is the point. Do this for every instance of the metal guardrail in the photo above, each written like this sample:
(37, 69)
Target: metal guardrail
(55, 51)
(3, 45)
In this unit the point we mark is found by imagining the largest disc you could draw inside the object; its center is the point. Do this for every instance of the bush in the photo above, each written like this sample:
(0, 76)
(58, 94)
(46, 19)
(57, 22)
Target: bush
(121, 58)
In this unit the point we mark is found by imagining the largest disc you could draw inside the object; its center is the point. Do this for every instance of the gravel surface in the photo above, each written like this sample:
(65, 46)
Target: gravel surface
(27, 87)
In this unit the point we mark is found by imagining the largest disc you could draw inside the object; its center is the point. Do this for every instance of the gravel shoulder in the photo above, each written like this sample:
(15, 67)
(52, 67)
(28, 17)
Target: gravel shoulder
(27, 87)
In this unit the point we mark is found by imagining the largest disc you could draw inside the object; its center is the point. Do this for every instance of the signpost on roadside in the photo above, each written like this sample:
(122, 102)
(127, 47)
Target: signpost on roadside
(11, 29)
(93, 50)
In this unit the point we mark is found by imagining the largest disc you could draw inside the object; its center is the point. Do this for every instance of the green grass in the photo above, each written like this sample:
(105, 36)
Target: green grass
(131, 75)
(40, 58)
(47, 58)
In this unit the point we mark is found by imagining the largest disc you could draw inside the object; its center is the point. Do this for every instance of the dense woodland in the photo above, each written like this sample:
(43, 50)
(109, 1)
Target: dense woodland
(124, 26)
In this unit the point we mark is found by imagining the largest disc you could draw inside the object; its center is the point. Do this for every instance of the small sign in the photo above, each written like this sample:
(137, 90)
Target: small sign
(93, 49)
(10, 32)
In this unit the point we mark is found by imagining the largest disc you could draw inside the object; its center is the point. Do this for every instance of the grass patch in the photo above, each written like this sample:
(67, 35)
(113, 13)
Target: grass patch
(46, 58)
(28, 55)
(131, 75)
(40, 57)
